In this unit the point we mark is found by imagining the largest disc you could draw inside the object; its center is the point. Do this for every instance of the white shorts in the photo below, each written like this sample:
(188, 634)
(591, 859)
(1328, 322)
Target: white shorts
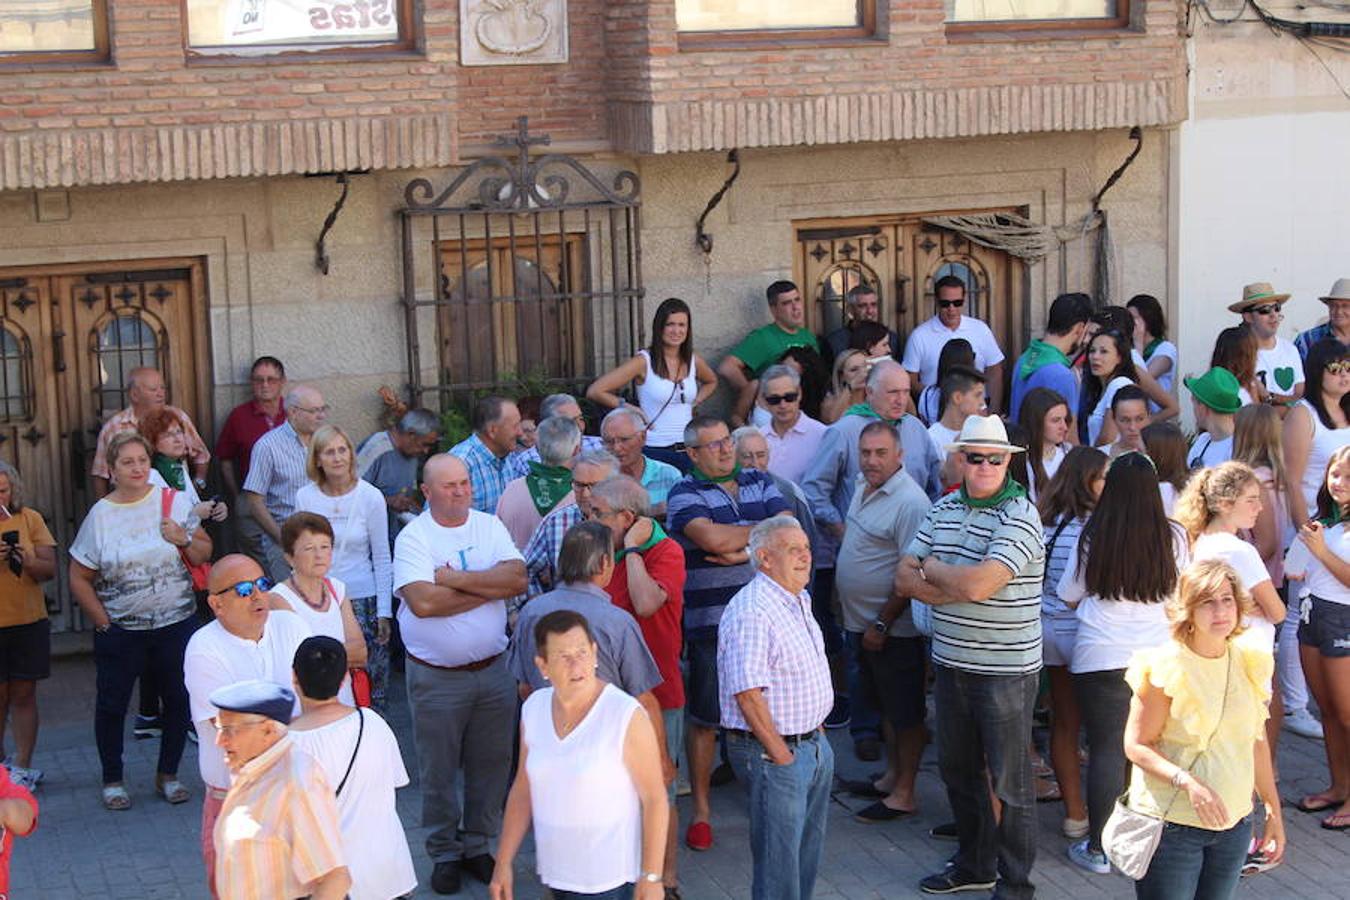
(1057, 639)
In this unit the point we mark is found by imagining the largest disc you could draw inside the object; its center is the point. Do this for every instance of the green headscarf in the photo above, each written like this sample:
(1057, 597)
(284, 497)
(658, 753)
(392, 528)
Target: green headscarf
(1039, 355)
(658, 535)
(1336, 517)
(175, 476)
(867, 412)
(700, 475)
(1009, 490)
(547, 485)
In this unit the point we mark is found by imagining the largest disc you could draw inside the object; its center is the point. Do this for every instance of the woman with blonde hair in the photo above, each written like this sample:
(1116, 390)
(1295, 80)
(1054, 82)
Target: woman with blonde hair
(1195, 739)
(848, 387)
(360, 564)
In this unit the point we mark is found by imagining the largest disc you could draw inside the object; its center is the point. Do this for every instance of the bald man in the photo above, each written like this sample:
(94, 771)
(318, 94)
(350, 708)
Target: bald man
(146, 393)
(245, 642)
(454, 568)
(276, 470)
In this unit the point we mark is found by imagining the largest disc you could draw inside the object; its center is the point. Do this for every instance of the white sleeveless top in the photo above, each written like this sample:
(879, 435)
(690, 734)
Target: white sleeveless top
(587, 818)
(667, 408)
(1325, 441)
(327, 623)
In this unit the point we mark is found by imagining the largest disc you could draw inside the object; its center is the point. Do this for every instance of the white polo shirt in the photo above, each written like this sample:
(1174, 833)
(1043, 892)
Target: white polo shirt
(215, 658)
(927, 341)
(422, 547)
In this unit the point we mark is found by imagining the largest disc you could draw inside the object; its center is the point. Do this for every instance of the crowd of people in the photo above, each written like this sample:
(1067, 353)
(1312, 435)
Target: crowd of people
(869, 539)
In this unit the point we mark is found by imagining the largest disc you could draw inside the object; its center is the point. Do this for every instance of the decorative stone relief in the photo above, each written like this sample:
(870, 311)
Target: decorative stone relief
(512, 32)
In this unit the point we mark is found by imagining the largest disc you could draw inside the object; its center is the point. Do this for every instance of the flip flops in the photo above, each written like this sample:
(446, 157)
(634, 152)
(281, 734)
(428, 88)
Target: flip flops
(1316, 803)
(116, 798)
(1337, 822)
(172, 790)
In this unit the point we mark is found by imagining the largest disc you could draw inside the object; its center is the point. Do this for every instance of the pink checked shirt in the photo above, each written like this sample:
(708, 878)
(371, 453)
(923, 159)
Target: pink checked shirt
(768, 639)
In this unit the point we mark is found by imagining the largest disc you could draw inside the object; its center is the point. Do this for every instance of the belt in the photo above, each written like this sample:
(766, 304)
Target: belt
(475, 666)
(787, 738)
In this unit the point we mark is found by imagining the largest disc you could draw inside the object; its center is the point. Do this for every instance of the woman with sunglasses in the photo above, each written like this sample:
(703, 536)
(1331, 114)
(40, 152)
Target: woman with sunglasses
(1120, 604)
(1316, 426)
(848, 386)
(670, 380)
(128, 574)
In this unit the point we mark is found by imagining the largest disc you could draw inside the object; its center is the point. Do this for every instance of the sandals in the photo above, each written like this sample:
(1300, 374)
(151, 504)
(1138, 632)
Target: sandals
(1339, 821)
(1316, 803)
(116, 798)
(1047, 790)
(172, 790)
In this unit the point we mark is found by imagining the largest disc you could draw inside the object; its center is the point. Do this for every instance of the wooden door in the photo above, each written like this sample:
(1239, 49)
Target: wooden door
(70, 335)
(837, 259)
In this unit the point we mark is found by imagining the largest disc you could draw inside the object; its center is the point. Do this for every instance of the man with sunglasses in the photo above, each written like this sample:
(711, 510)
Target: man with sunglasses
(926, 341)
(793, 436)
(978, 561)
(1278, 362)
(246, 641)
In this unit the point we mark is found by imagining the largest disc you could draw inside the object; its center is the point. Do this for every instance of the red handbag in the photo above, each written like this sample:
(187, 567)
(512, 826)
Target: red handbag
(359, 676)
(198, 572)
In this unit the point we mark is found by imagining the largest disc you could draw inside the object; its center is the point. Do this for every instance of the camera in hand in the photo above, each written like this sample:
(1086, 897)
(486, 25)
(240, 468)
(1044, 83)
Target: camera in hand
(11, 539)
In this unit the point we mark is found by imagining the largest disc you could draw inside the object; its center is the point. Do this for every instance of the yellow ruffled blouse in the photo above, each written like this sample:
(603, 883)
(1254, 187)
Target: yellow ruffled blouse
(1195, 686)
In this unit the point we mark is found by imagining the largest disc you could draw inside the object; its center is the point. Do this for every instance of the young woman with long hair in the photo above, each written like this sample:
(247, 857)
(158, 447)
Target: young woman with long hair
(670, 380)
(1065, 504)
(1121, 570)
(1150, 339)
(1048, 421)
(1165, 444)
(1317, 425)
(1110, 368)
(1322, 563)
(1162, 402)
(1235, 350)
(954, 353)
(848, 387)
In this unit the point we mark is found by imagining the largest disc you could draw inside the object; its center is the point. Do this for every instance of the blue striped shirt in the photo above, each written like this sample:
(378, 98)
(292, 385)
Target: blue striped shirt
(709, 586)
(487, 473)
(276, 470)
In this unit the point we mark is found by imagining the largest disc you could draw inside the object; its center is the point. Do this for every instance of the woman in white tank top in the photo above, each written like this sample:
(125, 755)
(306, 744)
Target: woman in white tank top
(670, 380)
(1316, 427)
(589, 777)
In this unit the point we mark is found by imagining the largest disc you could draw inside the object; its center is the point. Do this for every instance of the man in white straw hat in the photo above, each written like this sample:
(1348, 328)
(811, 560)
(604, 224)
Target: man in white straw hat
(978, 560)
(1278, 363)
(1337, 325)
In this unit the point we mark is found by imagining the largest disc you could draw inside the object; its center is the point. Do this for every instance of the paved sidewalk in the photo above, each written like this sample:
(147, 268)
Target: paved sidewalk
(152, 850)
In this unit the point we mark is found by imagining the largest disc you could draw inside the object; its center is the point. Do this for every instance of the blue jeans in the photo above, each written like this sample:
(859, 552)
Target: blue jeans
(788, 808)
(622, 892)
(1196, 863)
(984, 724)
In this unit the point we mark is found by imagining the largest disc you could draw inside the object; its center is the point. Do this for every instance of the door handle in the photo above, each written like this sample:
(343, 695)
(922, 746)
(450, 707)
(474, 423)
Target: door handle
(59, 350)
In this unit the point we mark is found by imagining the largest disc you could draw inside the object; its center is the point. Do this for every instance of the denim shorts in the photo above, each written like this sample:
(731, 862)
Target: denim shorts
(701, 698)
(1326, 627)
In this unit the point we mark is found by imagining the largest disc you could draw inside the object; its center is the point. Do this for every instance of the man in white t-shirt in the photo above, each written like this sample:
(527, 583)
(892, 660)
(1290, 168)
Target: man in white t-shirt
(926, 342)
(246, 642)
(454, 568)
(1278, 363)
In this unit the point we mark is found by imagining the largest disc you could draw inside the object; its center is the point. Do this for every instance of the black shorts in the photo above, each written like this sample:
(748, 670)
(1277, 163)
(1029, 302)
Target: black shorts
(702, 701)
(1326, 628)
(26, 651)
(893, 680)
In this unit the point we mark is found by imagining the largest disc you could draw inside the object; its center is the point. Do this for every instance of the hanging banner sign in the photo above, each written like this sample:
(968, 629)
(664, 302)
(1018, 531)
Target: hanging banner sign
(311, 21)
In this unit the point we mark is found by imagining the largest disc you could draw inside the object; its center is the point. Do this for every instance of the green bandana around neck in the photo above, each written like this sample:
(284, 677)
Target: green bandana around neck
(1150, 347)
(658, 535)
(700, 475)
(172, 470)
(1337, 516)
(1009, 490)
(867, 412)
(547, 485)
(1039, 355)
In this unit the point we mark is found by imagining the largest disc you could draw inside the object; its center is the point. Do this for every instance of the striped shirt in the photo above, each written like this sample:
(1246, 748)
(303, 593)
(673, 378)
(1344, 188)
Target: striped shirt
(1001, 635)
(487, 473)
(541, 553)
(276, 470)
(709, 586)
(770, 640)
(278, 827)
(1056, 561)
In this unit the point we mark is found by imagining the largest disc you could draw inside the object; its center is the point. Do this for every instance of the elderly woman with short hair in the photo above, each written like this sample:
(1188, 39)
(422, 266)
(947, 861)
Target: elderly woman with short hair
(128, 575)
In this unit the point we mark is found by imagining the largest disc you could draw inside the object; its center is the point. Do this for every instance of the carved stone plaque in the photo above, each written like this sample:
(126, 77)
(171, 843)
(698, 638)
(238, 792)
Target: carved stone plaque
(512, 32)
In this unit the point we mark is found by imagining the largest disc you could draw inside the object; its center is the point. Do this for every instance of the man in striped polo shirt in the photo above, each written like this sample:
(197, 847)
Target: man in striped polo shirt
(709, 513)
(978, 560)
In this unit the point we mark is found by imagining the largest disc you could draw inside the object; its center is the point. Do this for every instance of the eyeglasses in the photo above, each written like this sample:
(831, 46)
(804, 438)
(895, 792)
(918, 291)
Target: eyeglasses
(1265, 310)
(725, 443)
(1338, 367)
(229, 730)
(579, 486)
(614, 440)
(951, 304)
(993, 459)
(775, 399)
(245, 589)
(313, 410)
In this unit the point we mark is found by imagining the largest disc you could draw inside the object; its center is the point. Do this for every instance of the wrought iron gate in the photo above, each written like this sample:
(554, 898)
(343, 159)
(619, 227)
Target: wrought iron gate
(525, 270)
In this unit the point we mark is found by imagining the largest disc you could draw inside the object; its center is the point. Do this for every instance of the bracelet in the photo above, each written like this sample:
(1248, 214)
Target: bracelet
(652, 877)
(1176, 779)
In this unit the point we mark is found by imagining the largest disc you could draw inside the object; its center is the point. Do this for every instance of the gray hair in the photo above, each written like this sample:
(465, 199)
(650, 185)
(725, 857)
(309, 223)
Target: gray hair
(762, 534)
(697, 424)
(134, 375)
(15, 485)
(586, 547)
(880, 369)
(297, 392)
(745, 431)
(602, 458)
(557, 440)
(554, 402)
(632, 413)
(779, 370)
(421, 422)
(624, 494)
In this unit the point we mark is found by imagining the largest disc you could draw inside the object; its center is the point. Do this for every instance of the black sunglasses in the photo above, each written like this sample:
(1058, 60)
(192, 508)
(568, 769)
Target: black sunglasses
(1265, 310)
(949, 304)
(245, 589)
(994, 459)
(775, 399)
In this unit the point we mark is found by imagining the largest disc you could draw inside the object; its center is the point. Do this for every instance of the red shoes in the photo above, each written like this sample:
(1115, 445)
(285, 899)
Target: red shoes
(698, 836)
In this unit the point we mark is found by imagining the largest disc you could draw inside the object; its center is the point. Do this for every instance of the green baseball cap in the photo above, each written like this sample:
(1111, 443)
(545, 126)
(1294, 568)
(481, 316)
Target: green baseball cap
(1217, 389)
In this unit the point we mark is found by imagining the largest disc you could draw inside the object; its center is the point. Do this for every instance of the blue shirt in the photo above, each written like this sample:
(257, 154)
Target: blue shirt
(487, 473)
(1055, 376)
(1304, 342)
(709, 586)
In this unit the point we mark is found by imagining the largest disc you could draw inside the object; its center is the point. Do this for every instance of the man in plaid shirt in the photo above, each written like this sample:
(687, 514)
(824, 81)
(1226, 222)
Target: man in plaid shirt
(775, 693)
(496, 426)
(541, 553)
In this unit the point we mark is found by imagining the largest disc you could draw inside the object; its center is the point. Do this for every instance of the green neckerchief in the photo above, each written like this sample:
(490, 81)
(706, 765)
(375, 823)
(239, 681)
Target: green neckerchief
(867, 412)
(1039, 355)
(700, 475)
(1150, 347)
(547, 485)
(1336, 517)
(172, 470)
(658, 535)
(1009, 490)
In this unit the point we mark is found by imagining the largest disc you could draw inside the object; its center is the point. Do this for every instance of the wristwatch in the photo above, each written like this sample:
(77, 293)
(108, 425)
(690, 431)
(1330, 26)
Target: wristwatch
(653, 877)
(880, 627)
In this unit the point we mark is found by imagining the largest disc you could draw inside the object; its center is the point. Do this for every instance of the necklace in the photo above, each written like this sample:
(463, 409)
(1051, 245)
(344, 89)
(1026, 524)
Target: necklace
(323, 595)
(564, 723)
